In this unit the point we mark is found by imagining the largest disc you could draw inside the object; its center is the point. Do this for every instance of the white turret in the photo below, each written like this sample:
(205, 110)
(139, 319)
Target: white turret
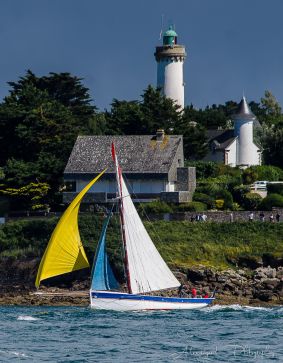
(247, 152)
(170, 58)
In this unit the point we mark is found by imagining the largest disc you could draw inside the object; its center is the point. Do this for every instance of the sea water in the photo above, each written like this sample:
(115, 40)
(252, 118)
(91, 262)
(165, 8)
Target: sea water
(78, 334)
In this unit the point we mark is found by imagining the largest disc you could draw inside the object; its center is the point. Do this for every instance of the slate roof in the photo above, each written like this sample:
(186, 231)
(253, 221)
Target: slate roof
(136, 154)
(223, 138)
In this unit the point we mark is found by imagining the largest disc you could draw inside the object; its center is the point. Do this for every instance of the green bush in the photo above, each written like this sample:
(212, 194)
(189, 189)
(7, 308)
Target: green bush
(239, 193)
(155, 207)
(268, 172)
(204, 169)
(192, 207)
(250, 175)
(204, 198)
(272, 200)
(210, 188)
(251, 201)
(275, 188)
(227, 197)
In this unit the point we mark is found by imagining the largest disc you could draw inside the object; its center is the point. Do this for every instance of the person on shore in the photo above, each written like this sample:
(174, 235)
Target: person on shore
(277, 217)
(203, 217)
(231, 217)
(261, 216)
(193, 218)
(251, 217)
(194, 293)
(181, 290)
(271, 218)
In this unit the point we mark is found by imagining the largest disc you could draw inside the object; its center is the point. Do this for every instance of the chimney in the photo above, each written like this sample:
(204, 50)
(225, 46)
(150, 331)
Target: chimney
(160, 135)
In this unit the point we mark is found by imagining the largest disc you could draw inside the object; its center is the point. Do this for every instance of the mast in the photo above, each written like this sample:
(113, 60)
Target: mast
(121, 212)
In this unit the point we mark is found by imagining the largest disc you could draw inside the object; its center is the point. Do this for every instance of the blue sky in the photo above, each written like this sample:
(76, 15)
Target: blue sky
(232, 45)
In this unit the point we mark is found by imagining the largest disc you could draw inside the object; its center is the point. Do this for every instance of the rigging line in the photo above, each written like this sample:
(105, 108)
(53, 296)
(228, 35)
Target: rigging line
(120, 248)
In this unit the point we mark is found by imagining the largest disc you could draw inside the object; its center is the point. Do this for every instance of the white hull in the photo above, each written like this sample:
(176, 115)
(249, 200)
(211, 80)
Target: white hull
(124, 304)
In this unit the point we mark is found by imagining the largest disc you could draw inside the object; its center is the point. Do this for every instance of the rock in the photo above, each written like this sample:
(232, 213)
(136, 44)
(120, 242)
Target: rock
(250, 262)
(195, 275)
(263, 295)
(265, 272)
(271, 282)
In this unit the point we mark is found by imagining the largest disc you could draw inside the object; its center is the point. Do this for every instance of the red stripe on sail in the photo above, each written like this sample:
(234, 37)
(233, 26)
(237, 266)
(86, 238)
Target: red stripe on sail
(113, 152)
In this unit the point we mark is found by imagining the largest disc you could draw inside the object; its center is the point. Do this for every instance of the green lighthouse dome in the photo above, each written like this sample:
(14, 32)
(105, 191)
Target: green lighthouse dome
(170, 36)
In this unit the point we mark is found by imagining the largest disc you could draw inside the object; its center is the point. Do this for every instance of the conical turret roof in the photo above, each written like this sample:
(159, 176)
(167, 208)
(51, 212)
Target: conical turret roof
(244, 111)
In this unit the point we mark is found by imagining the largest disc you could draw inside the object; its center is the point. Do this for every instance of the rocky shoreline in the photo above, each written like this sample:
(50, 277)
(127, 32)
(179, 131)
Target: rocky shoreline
(262, 286)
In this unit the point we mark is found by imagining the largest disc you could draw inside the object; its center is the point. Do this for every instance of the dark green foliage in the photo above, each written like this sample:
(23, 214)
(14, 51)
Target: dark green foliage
(143, 118)
(239, 192)
(272, 200)
(125, 117)
(262, 172)
(275, 188)
(204, 198)
(155, 207)
(272, 141)
(251, 201)
(194, 138)
(192, 207)
(250, 175)
(39, 123)
(205, 169)
(227, 197)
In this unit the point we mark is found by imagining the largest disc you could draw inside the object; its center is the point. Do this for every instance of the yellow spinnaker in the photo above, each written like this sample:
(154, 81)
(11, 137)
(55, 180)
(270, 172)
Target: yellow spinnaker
(65, 252)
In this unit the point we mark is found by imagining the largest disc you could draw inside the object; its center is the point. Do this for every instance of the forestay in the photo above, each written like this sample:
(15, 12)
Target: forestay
(147, 269)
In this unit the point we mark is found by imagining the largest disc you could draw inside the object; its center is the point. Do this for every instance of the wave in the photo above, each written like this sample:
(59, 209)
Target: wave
(13, 353)
(27, 318)
(235, 307)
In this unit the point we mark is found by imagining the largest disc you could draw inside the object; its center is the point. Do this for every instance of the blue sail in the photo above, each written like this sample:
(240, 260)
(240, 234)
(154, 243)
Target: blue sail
(102, 277)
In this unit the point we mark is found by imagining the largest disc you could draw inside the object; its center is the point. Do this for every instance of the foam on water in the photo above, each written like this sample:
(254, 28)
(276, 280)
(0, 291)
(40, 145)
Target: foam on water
(27, 318)
(235, 307)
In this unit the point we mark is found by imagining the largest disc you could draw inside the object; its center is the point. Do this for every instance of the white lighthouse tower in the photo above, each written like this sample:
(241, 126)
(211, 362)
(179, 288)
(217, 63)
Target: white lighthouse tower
(248, 153)
(170, 58)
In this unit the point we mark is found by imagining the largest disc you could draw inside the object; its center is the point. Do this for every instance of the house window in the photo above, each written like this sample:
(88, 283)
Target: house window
(70, 186)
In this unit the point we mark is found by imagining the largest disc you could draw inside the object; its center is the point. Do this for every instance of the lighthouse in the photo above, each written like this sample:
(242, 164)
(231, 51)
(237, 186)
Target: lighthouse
(170, 58)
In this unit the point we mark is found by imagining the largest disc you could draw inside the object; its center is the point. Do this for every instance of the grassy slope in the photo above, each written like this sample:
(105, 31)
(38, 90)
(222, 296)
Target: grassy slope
(182, 244)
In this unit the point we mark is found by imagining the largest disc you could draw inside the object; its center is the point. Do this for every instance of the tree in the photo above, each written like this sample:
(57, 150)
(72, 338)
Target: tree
(125, 117)
(154, 111)
(159, 112)
(39, 122)
(30, 196)
(271, 108)
(272, 142)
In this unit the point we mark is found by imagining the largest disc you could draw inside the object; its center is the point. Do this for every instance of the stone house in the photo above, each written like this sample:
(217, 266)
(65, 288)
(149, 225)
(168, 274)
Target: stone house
(153, 167)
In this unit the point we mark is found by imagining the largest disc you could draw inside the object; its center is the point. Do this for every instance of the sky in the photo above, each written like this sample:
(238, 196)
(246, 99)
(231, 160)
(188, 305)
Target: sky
(232, 46)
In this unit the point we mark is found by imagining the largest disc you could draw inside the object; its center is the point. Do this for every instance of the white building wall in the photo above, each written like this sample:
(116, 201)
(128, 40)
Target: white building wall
(231, 154)
(247, 152)
(170, 79)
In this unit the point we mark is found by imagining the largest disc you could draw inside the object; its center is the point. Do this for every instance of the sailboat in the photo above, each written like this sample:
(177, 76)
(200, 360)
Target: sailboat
(146, 272)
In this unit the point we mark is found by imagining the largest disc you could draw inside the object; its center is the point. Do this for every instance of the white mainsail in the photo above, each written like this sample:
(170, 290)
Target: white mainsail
(147, 269)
